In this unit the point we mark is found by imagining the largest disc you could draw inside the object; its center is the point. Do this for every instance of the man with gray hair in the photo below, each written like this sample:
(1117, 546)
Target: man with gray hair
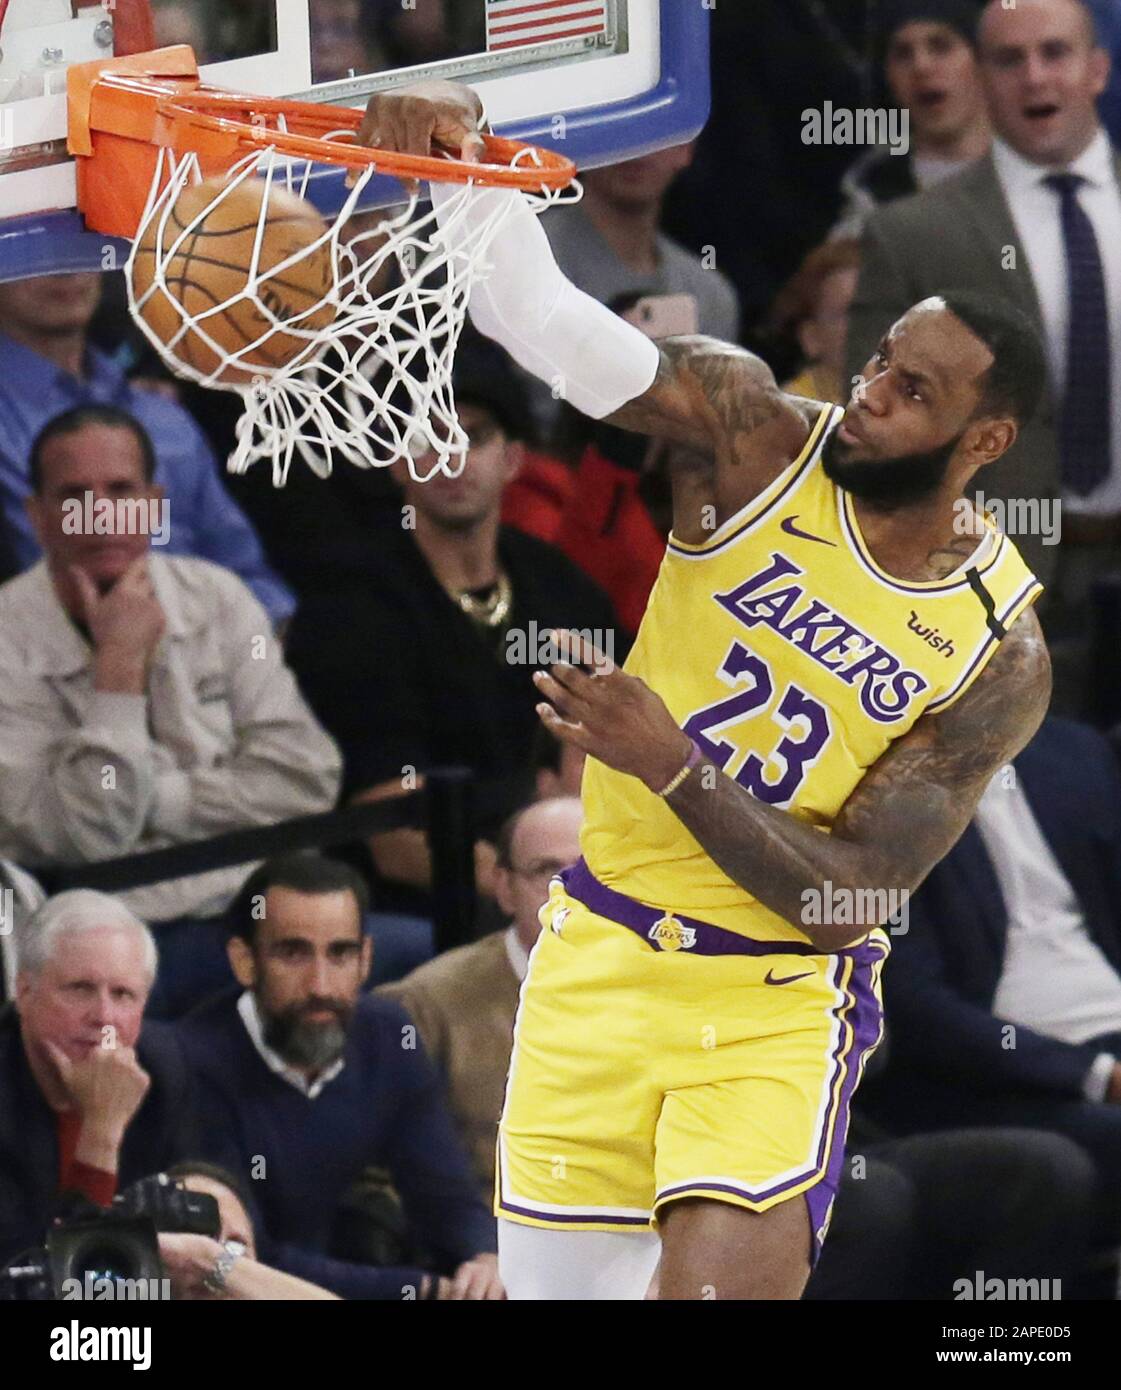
(89, 1100)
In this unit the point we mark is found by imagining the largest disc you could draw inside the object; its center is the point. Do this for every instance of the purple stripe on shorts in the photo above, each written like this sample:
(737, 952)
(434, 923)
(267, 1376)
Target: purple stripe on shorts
(863, 1019)
(866, 1020)
(709, 940)
(566, 1218)
(573, 1217)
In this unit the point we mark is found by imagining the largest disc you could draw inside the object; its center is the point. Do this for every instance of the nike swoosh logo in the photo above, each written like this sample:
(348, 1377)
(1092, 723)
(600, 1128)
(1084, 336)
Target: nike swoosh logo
(770, 979)
(792, 530)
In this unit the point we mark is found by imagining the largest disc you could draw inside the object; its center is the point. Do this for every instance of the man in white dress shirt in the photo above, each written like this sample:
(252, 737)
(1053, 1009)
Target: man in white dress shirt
(1038, 220)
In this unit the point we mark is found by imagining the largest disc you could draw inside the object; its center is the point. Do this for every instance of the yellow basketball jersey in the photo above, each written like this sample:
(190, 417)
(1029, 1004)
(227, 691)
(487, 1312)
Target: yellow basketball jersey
(794, 661)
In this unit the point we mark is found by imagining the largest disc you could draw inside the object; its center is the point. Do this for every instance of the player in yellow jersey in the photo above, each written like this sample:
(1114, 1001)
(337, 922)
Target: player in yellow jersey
(837, 656)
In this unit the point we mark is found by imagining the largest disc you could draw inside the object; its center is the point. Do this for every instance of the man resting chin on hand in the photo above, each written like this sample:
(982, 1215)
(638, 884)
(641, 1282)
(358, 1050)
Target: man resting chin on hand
(89, 1101)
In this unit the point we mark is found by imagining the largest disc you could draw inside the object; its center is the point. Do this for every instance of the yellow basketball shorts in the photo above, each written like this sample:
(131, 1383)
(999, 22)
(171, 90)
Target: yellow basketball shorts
(641, 1075)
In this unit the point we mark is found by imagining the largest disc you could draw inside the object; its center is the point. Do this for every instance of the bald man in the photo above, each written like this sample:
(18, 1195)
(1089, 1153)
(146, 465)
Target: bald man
(464, 1002)
(1009, 226)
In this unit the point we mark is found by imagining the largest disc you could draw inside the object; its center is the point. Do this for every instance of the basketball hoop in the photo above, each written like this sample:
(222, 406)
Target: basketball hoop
(364, 369)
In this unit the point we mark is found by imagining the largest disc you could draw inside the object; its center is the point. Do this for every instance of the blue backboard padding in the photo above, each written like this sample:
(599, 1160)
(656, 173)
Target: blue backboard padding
(673, 112)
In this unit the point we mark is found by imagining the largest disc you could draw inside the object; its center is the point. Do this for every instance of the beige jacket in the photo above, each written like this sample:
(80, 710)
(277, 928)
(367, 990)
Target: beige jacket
(463, 1004)
(222, 741)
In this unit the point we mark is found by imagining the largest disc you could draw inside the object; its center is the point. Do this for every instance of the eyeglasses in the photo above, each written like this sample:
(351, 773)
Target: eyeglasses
(546, 868)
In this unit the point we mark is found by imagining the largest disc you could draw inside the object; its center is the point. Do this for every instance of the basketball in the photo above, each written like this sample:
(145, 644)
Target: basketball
(213, 268)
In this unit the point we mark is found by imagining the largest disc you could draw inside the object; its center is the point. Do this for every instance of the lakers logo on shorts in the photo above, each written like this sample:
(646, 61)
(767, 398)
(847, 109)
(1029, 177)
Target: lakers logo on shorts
(671, 935)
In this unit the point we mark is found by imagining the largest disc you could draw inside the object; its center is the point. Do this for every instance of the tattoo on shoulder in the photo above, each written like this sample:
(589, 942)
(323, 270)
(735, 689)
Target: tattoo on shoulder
(995, 717)
(927, 785)
(706, 394)
(941, 563)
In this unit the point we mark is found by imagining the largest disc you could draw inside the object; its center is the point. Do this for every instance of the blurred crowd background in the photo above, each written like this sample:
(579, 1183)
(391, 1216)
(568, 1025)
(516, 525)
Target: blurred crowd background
(296, 1040)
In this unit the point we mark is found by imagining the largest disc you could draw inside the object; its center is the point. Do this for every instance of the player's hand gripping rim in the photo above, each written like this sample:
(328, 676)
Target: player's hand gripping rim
(421, 119)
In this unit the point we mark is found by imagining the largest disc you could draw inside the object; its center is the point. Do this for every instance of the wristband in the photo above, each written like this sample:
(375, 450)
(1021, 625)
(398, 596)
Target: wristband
(695, 757)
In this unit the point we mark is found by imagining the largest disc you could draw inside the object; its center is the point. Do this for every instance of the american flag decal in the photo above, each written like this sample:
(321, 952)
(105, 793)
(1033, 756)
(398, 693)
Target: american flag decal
(517, 23)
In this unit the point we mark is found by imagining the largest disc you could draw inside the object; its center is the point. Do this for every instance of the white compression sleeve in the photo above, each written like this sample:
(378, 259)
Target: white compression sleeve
(572, 342)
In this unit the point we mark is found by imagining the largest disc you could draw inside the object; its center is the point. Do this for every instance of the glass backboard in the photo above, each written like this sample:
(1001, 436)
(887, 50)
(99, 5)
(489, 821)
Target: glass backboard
(600, 80)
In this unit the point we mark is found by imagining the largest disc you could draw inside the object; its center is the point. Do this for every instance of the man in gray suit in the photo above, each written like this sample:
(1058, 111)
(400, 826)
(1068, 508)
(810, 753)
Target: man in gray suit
(1037, 221)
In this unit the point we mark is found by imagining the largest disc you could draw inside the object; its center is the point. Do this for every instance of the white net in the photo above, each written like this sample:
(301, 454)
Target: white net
(365, 369)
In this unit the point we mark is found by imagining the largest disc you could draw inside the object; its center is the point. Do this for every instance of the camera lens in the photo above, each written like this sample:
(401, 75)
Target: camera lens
(106, 1259)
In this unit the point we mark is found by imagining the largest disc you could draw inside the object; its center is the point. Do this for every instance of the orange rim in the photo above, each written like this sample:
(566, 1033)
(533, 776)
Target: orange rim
(307, 137)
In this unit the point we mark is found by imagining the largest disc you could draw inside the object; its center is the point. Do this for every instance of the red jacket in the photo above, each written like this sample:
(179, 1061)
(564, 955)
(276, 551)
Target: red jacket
(596, 517)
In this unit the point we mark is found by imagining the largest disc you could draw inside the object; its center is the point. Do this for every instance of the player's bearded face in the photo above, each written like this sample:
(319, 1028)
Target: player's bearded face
(890, 482)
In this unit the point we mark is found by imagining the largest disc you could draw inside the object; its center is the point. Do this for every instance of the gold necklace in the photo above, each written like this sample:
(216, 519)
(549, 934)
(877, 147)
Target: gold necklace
(490, 612)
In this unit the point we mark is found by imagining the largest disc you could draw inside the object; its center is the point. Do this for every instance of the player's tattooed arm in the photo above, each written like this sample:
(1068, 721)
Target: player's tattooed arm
(738, 428)
(705, 394)
(909, 810)
(906, 814)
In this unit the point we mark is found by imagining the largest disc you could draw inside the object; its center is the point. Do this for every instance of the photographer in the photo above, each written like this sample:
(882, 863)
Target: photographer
(225, 1267)
(88, 1101)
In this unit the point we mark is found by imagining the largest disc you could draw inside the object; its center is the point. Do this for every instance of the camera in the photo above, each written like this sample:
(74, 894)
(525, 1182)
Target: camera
(114, 1253)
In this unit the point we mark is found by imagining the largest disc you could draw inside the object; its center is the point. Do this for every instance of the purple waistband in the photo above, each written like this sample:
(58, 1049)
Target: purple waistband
(673, 931)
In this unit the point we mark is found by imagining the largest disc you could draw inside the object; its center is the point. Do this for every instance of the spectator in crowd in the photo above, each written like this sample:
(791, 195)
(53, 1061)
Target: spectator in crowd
(1107, 15)
(144, 700)
(339, 43)
(558, 768)
(223, 30)
(604, 499)
(180, 21)
(913, 1215)
(306, 1082)
(426, 31)
(21, 896)
(814, 309)
(464, 1001)
(610, 244)
(430, 661)
(89, 1100)
(928, 55)
(225, 1266)
(1005, 997)
(47, 367)
(1037, 222)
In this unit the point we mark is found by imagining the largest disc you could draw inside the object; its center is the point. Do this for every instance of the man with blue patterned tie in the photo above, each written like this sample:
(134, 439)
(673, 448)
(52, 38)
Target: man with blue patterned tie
(1038, 221)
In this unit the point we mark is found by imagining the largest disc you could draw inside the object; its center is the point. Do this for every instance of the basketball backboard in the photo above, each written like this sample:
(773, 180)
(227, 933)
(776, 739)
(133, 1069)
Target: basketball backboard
(599, 80)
